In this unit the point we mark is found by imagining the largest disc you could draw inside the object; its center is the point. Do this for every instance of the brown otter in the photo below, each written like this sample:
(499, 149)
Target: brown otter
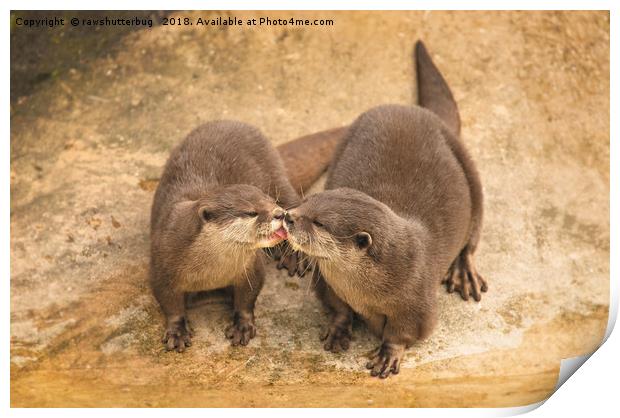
(402, 206)
(217, 203)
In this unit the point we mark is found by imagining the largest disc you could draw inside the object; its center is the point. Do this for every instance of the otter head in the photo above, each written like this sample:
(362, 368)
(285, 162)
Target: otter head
(339, 225)
(235, 216)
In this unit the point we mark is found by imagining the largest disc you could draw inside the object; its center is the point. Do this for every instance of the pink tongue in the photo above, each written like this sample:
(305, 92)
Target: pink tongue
(281, 232)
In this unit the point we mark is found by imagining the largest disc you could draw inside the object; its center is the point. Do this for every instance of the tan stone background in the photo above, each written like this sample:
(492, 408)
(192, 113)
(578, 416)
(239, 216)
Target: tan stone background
(90, 137)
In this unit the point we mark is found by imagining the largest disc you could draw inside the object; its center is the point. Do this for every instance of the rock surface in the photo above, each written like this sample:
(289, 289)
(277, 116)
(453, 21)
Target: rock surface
(89, 143)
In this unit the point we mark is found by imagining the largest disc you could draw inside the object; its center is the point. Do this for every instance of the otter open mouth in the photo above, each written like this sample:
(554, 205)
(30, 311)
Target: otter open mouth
(276, 237)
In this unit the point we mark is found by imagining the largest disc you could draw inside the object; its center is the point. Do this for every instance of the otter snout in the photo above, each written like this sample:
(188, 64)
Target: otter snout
(277, 218)
(278, 213)
(278, 232)
(288, 219)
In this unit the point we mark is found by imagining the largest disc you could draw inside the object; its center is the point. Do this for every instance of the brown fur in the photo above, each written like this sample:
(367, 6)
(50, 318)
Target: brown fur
(397, 213)
(215, 206)
(435, 95)
(433, 91)
(307, 157)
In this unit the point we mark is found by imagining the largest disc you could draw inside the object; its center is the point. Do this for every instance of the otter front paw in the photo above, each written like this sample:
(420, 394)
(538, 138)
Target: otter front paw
(463, 277)
(386, 359)
(241, 332)
(178, 336)
(337, 338)
(294, 262)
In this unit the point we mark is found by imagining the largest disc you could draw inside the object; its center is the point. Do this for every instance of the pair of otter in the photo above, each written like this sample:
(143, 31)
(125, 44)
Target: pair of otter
(402, 210)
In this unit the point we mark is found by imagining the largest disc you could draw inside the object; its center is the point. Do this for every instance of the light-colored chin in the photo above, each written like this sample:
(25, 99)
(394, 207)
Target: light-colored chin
(293, 242)
(269, 242)
(295, 245)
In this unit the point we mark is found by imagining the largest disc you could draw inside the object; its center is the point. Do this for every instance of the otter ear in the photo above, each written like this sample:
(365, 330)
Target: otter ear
(201, 211)
(184, 208)
(205, 215)
(182, 215)
(363, 240)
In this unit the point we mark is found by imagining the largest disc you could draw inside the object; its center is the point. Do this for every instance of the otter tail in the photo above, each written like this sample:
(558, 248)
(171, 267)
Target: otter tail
(307, 157)
(435, 95)
(433, 91)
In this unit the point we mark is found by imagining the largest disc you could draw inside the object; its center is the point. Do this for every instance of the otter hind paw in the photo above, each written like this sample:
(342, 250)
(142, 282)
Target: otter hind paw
(241, 332)
(464, 278)
(178, 336)
(386, 360)
(337, 338)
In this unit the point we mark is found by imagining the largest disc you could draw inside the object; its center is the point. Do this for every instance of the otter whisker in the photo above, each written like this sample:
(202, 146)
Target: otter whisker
(313, 263)
(307, 266)
(318, 276)
(277, 194)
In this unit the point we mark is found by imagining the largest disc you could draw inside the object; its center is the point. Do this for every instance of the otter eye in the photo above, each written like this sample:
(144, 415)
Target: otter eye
(363, 240)
(251, 214)
(317, 223)
(206, 216)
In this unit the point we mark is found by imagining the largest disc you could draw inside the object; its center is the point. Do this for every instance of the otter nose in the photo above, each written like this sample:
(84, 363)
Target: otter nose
(288, 219)
(278, 213)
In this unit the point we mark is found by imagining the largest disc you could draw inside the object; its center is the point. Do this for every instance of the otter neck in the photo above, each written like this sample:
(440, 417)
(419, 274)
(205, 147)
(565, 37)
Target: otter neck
(226, 262)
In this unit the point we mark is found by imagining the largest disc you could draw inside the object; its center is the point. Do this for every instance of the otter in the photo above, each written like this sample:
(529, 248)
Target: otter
(402, 210)
(218, 202)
